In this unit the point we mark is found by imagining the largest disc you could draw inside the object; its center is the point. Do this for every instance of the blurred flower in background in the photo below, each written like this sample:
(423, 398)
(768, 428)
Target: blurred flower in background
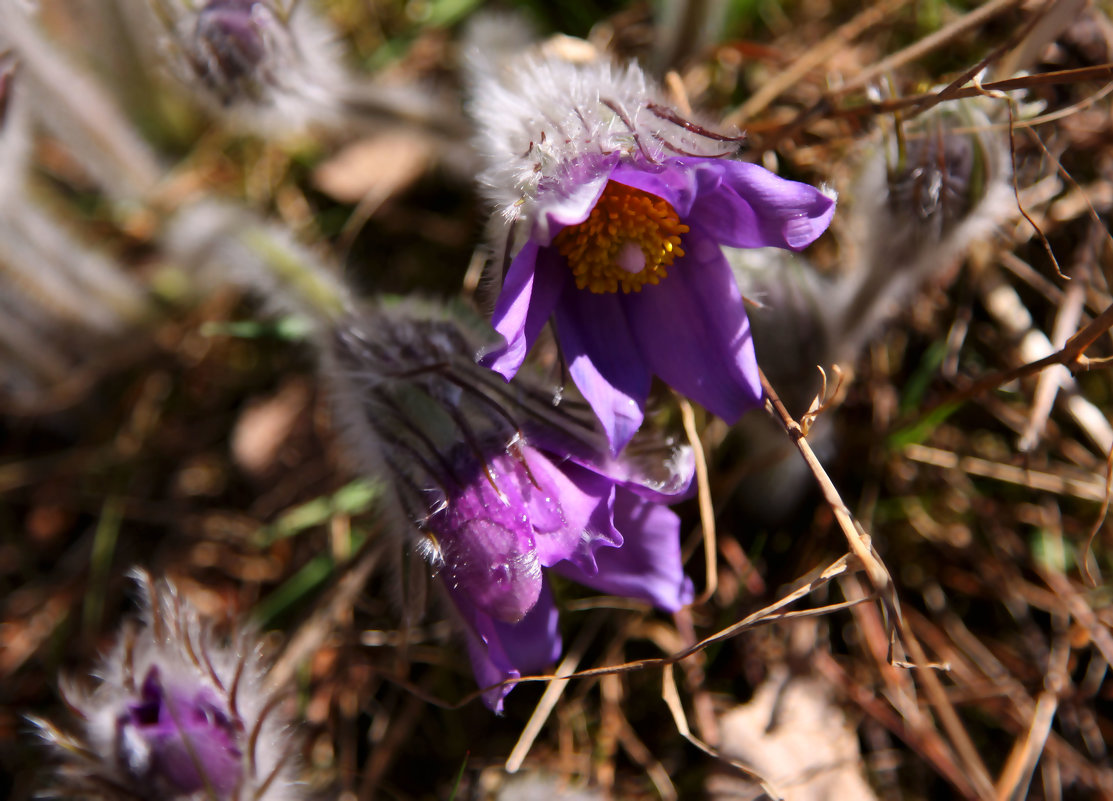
(925, 191)
(616, 210)
(272, 67)
(66, 307)
(177, 713)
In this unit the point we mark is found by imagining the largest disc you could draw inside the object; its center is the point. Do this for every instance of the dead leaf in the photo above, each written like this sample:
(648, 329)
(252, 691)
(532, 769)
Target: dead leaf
(794, 736)
(378, 167)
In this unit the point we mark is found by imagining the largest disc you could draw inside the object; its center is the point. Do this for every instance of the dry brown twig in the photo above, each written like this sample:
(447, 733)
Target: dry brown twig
(774, 612)
(706, 508)
(815, 56)
(1071, 355)
(878, 574)
(671, 696)
(919, 102)
(1017, 774)
(823, 401)
(1087, 551)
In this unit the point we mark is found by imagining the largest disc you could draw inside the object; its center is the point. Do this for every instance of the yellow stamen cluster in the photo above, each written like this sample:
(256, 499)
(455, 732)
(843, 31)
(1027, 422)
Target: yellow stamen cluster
(602, 250)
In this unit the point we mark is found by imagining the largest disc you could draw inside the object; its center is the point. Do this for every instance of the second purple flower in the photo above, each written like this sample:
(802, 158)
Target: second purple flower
(503, 488)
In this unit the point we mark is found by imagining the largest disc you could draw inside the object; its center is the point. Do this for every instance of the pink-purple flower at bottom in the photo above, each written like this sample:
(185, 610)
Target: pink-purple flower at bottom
(626, 256)
(175, 712)
(525, 511)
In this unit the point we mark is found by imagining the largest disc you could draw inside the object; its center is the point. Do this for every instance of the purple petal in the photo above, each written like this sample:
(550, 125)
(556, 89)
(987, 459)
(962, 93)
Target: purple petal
(582, 499)
(604, 360)
(533, 286)
(693, 331)
(746, 206)
(486, 542)
(501, 651)
(180, 737)
(675, 182)
(648, 565)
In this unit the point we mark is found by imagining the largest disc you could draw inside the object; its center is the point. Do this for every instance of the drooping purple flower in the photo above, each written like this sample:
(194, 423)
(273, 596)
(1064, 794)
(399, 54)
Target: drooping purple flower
(617, 210)
(504, 488)
(525, 509)
(177, 713)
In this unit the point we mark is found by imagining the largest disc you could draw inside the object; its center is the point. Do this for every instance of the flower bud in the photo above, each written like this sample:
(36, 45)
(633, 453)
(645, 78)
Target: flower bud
(922, 198)
(177, 714)
(269, 69)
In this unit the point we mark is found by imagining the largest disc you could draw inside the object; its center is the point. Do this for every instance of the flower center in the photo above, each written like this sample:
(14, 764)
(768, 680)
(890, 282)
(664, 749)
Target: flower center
(629, 240)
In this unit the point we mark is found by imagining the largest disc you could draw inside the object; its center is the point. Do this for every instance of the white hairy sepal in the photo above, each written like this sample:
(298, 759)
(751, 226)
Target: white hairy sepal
(15, 137)
(76, 109)
(549, 117)
(65, 307)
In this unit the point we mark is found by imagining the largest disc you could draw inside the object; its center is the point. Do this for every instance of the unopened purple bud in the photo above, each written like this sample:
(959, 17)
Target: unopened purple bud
(229, 41)
(270, 66)
(937, 182)
(934, 186)
(176, 713)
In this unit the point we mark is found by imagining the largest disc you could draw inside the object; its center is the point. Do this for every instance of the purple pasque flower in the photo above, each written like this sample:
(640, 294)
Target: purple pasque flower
(617, 210)
(503, 488)
(176, 713)
(525, 510)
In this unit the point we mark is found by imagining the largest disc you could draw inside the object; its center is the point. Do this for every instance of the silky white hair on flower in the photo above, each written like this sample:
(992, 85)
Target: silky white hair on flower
(63, 304)
(548, 107)
(222, 244)
(109, 758)
(76, 109)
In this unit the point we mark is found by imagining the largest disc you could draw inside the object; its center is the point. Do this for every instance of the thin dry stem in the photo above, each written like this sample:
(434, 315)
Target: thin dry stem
(671, 698)
(1071, 356)
(706, 508)
(552, 694)
(882, 583)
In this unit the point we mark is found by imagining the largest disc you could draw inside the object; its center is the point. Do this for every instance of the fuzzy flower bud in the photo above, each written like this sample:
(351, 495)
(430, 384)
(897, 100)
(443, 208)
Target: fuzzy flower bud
(923, 195)
(502, 487)
(932, 188)
(615, 208)
(271, 67)
(177, 714)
